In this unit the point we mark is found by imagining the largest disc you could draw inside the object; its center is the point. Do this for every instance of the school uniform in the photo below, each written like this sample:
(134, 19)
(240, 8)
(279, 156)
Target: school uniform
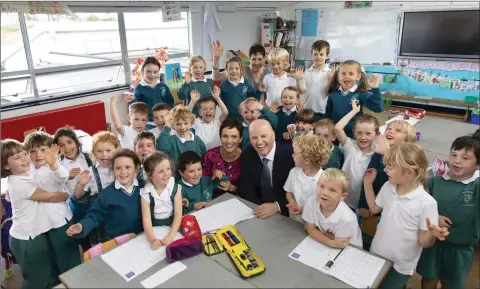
(336, 159)
(161, 205)
(396, 238)
(232, 94)
(452, 259)
(209, 133)
(275, 85)
(127, 140)
(355, 166)
(83, 162)
(28, 239)
(302, 187)
(153, 94)
(174, 145)
(119, 208)
(265, 114)
(201, 192)
(339, 104)
(156, 131)
(285, 117)
(315, 82)
(342, 223)
(203, 86)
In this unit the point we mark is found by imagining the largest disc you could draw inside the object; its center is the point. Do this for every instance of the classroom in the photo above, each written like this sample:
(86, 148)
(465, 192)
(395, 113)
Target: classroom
(231, 144)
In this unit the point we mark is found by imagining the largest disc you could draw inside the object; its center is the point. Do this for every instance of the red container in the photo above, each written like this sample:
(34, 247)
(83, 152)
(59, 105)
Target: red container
(191, 228)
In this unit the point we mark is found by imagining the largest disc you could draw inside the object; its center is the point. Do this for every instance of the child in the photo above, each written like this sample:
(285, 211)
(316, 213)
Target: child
(118, 206)
(457, 193)
(235, 89)
(28, 240)
(150, 90)
(274, 83)
(325, 129)
(397, 132)
(159, 111)
(144, 147)
(195, 80)
(304, 122)
(207, 125)
(197, 189)
(327, 218)
(343, 90)
(99, 176)
(286, 113)
(161, 199)
(137, 117)
(410, 220)
(314, 82)
(358, 153)
(50, 176)
(183, 140)
(309, 154)
(251, 110)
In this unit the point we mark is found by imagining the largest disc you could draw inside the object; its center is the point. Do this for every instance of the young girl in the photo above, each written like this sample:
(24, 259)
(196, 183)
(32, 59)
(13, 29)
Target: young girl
(457, 193)
(161, 199)
(28, 238)
(235, 89)
(349, 84)
(150, 90)
(309, 154)
(195, 80)
(118, 206)
(410, 218)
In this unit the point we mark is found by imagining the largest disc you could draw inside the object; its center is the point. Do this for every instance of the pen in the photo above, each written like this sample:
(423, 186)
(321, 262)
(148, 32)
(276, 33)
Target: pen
(330, 263)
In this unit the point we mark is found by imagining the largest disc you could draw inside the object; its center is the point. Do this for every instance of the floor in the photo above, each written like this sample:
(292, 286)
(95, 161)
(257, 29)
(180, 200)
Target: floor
(436, 137)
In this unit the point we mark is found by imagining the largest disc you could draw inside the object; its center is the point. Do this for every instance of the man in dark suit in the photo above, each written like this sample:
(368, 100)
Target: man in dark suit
(264, 169)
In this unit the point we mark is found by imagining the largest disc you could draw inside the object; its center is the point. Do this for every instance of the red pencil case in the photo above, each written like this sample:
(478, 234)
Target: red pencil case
(183, 249)
(416, 113)
(191, 228)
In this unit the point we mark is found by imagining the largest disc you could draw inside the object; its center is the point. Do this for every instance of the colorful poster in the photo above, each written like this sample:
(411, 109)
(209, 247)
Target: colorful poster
(309, 22)
(173, 73)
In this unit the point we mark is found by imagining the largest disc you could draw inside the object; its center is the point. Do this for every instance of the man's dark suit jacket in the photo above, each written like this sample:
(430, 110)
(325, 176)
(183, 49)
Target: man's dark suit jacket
(251, 170)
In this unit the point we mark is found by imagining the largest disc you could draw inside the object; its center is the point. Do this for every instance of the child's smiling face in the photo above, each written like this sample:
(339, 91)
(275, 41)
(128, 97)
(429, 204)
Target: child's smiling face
(19, 163)
(124, 171)
(234, 71)
(144, 147)
(206, 110)
(364, 134)
(161, 174)
(394, 135)
(198, 70)
(68, 147)
(158, 117)
(319, 57)
(182, 127)
(103, 152)
(348, 75)
(278, 68)
(325, 134)
(289, 99)
(192, 173)
(138, 121)
(462, 163)
(150, 73)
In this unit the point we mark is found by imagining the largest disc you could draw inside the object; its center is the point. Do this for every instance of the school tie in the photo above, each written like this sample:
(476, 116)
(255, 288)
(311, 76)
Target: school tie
(266, 180)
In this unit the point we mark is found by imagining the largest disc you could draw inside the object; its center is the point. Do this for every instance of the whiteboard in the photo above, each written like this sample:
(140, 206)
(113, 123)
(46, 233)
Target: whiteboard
(368, 35)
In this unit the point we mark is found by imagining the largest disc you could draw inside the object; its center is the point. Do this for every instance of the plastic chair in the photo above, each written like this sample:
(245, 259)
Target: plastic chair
(99, 249)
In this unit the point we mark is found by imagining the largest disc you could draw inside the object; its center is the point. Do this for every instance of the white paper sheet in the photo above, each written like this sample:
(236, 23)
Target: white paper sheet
(412, 121)
(353, 266)
(163, 275)
(136, 256)
(222, 214)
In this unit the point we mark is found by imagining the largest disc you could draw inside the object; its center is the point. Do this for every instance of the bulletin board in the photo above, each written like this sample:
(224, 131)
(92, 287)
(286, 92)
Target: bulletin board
(368, 35)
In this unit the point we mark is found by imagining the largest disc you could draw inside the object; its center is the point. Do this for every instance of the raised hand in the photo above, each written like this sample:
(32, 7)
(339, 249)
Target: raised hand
(84, 178)
(437, 231)
(274, 107)
(299, 72)
(113, 98)
(73, 173)
(74, 229)
(330, 73)
(187, 77)
(51, 155)
(370, 176)
(168, 119)
(254, 105)
(195, 95)
(217, 49)
(216, 92)
(356, 105)
(128, 97)
(373, 81)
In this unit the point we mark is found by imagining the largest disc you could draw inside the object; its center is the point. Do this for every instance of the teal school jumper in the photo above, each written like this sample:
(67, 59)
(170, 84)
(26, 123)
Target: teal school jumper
(201, 192)
(336, 159)
(232, 96)
(171, 145)
(283, 121)
(153, 95)
(203, 87)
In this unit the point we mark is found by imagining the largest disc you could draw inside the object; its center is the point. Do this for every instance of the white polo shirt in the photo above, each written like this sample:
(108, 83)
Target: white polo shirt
(342, 223)
(54, 181)
(208, 132)
(128, 138)
(163, 204)
(274, 86)
(28, 220)
(106, 178)
(396, 238)
(355, 165)
(79, 162)
(302, 187)
(315, 83)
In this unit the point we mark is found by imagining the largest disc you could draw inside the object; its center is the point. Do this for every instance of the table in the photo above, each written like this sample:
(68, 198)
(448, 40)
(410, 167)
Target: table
(272, 239)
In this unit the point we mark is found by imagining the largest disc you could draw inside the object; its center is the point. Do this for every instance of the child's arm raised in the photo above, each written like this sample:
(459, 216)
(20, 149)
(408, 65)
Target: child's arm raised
(83, 180)
(373, 100)
(115, 117)
(340, 126)
(177, 217)
(217, 53)
(194, 97)
(298, 77)
(216, 95)
(147, 225)
(368, 180)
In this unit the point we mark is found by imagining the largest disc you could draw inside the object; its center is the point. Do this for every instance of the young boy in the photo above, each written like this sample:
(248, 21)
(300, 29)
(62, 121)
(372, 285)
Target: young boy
(52, 177)
(159, 111)
(309, 154)
(144, 146)
(286, 113)
(327, 218)
(137, 116)
(457, 193)
(274, 83)
(314, 82)
(183, 140)
(358, 153)
(304, 122)
(325, 129)
(207, 126)
(197, 189)
(251, 110)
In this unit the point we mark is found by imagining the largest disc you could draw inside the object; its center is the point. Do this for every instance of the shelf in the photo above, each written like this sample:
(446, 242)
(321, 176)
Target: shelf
(284, 29)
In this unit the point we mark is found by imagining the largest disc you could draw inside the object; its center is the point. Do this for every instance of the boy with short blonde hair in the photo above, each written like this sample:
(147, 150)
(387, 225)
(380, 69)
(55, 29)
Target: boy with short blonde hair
(325, 129)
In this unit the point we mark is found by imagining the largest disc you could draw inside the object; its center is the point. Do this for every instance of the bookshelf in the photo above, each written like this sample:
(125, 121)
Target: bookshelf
(279, 33)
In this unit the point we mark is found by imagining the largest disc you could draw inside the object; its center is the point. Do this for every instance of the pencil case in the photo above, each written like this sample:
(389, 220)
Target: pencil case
(245, 260)
(183, 249)
(211, 244)
(191, 228)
